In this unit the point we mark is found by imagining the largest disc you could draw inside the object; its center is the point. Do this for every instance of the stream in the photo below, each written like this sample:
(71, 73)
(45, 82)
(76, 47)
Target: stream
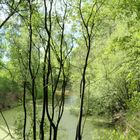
(67, 127)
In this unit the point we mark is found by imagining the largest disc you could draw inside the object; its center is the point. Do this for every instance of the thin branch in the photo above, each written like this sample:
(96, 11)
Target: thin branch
(10, 15)
(6, 123)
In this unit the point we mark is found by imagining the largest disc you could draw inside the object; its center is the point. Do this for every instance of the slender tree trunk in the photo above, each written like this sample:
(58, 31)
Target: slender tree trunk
(42, 121)
(25, 113)
(82, 89)
(87, 37)
(55, 133)
(34, 108)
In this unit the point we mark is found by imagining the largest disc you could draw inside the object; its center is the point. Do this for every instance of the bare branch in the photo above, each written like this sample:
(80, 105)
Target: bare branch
(6, 123)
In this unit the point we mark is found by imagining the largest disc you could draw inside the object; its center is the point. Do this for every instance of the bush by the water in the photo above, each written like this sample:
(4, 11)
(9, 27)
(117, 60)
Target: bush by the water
(9, 92)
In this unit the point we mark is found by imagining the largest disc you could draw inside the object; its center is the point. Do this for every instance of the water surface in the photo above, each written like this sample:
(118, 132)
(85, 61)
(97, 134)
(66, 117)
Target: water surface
(67, 128)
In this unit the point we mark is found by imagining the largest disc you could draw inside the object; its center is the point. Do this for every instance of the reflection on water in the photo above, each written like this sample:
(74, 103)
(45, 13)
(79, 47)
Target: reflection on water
(67, 127)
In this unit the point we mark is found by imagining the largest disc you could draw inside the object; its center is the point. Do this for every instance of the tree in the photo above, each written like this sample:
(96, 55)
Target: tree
(54, 50)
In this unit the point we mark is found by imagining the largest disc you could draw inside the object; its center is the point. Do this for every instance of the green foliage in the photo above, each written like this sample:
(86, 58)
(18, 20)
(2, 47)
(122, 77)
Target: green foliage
(9, 92)
(116, 135)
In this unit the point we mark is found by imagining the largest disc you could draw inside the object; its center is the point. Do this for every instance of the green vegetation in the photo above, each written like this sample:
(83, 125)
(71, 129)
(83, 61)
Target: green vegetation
(51, 50)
